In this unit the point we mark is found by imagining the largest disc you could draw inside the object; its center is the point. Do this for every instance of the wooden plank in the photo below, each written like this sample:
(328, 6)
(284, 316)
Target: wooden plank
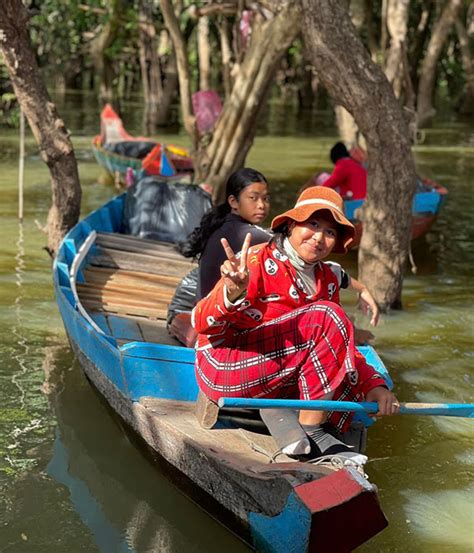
(97, 271)
(155, 331)
(121, 299)
(139, 247)
(128, 238)
(145, 258)
(129, 261)
(142, 292)
(120, 280)
(151, 313)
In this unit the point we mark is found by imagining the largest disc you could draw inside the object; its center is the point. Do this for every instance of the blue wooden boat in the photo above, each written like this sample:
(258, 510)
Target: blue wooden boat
(113, 291)
(120, 154)
(427, 201)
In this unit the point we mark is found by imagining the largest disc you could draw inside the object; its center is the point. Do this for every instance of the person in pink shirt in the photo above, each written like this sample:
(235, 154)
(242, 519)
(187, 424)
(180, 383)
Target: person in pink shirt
(349, 178)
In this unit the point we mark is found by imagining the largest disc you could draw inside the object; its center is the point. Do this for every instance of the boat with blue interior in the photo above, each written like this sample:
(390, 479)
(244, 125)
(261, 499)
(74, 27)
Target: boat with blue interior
(113, 289)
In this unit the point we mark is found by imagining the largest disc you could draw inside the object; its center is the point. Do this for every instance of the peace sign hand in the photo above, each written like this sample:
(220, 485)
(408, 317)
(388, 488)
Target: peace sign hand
(234, 271)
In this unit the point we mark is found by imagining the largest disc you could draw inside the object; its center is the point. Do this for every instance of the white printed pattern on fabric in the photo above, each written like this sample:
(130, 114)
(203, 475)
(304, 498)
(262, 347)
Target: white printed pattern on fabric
(271, 267)
(293, 292)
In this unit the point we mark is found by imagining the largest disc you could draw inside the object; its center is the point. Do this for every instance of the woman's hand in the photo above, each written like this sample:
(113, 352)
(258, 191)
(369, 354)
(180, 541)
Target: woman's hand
(387, 402)
(368, 305)
(234, 271)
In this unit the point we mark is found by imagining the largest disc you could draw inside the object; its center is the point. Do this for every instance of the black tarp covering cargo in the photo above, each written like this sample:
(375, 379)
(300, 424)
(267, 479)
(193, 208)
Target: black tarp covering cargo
(185, 296)
(163, 210)
(132, 148)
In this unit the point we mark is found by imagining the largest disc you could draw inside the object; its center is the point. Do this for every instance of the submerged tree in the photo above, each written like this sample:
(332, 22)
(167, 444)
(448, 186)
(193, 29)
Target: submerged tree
(361, 87)
(48, 129)
(274, 26)
(426, 87)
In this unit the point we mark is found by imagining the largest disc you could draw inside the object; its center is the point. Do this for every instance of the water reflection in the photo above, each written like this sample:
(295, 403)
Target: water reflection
(123, 500)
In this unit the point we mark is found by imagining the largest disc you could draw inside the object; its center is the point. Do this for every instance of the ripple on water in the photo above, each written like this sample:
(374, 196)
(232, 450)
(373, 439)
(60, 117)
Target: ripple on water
(443, 517)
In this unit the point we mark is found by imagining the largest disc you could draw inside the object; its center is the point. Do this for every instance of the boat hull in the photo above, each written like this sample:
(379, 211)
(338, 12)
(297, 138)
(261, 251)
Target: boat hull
(426, 206)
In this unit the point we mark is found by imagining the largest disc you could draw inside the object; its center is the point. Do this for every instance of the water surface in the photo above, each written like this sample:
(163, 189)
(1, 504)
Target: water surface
(70, 479)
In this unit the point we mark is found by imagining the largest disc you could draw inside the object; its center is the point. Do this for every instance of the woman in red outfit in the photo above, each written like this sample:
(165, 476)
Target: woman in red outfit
(273, 326)
(349, 178)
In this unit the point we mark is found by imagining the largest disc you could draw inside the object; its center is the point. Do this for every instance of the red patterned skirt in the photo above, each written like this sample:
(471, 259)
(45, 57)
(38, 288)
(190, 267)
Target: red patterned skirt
(306, 353)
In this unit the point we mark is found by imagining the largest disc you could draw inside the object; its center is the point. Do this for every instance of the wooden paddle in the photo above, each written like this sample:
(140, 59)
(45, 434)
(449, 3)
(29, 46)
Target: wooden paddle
(433, 409)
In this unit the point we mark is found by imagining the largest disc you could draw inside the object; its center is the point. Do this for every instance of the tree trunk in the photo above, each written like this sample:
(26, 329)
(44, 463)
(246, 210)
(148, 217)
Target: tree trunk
(397, 18)
(417, 44)
(272, 34)
(346, 126)
(149, 66)
(226, 55)
(180, 48)
(170, 87)
(204, 53)
(466, 105)
(361, 87)
(235, 129)
(426, 87)
(48, 129)
(102, 63)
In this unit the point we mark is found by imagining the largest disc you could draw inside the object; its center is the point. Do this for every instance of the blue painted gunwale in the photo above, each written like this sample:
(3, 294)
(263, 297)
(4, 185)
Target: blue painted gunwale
(139, 369)
(424, 203)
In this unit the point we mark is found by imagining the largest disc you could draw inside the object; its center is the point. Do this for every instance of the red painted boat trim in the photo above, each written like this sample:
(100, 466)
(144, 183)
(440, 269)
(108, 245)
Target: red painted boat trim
(345, 511)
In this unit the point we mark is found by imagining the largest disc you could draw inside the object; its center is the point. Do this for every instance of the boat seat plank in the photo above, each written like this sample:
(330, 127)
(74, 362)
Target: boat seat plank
(235, 448)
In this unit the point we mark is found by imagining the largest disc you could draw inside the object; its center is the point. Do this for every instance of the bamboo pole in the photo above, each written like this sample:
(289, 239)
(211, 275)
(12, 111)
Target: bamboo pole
(21, 166)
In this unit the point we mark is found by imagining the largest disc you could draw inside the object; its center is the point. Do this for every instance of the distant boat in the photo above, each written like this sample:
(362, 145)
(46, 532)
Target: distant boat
(427, 201)
(113, 292)
(126, 157)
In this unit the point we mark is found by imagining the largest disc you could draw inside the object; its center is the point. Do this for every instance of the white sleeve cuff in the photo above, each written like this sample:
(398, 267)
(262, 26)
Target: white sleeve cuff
(237, 302)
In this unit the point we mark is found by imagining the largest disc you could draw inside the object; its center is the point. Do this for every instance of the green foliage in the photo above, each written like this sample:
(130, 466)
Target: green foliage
(9, 111)
(60, 34)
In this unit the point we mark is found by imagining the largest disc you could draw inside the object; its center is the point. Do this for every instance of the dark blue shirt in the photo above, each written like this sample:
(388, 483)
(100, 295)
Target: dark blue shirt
(234, 230)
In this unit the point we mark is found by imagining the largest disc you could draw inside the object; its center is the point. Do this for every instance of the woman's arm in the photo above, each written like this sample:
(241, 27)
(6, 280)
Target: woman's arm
(366, 300)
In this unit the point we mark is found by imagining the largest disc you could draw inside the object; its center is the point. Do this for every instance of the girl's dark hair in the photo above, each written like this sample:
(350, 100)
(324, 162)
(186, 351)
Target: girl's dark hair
(279, 235)
(338, 151)
(214, 218)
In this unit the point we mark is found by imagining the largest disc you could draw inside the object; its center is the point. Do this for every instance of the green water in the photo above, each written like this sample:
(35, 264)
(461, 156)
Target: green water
(71, 481)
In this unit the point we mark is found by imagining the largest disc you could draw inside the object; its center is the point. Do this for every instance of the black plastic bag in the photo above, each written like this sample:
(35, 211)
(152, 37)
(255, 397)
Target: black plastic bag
(185, 296)
(131, 148)
(164, 210)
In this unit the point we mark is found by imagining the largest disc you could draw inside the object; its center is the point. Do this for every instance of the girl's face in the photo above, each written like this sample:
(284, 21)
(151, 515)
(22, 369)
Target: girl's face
(315, 238)
(253, 203)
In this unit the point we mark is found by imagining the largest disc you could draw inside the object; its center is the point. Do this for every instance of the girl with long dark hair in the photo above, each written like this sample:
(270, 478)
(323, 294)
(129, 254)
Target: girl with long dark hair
(246, 205)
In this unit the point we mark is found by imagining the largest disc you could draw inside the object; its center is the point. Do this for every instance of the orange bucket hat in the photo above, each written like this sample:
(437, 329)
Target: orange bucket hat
(317, 198)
